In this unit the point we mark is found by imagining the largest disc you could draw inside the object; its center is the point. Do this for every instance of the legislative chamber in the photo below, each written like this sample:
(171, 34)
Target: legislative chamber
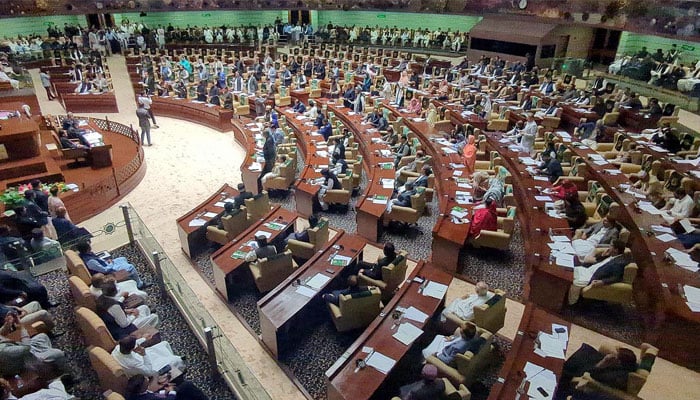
(385, 200)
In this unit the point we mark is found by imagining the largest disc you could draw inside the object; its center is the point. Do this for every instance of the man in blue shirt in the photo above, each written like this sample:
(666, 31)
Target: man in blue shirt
(95, 264)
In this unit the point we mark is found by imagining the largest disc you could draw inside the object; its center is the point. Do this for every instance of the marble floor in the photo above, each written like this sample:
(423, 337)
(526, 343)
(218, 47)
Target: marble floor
(188, 162)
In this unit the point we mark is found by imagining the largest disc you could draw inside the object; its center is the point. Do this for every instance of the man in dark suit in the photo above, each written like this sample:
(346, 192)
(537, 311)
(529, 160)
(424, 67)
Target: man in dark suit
(40, 198)
(243, 194)
(264, 249)
(269, 153)
(66, 230)
(552, 167)
(338, 150)
(606, 272)
(353, 287)
(14, 284)
(374, 271)
(428, 388)
(349, 97)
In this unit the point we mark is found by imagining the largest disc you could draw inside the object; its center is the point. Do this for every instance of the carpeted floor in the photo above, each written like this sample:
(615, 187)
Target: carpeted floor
(171, 328)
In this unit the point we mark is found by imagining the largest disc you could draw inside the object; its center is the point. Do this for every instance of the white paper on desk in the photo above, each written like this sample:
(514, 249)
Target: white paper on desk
(666, 237)
(613, 171)
(650, 209)
(315, 133)
(345, 259)
(367, 349)
(693, 162)
(457, 166)
(379, 201)
(351, 113)
(559, 238)
(464, 185)
(385, 153)
(682, 259)
(565, 260)
(219, 204)
(687, 225)
(694, 307)
(692, 293)
(318, 281)
(255, 166)
(449, 150)
(229, 200)
(527, 160)
(459, 214)
(545, 380)
(635, 194)
(596, 157)
(305, 291)
(464, 200)
(562, 247)
(263, 233)
(695, 173)
(554, 214)
(532, 369)
(504, 140)
(415, 314)
(388, 183)
(457, 173)
(434, 289)
(381, 362)
(322, 153)
(540, 178)
(552, 346)
(540, 352)
(197, 222)
(210, 214)
(661, 228)
(601, 162)
(543, 198)
(407, 333)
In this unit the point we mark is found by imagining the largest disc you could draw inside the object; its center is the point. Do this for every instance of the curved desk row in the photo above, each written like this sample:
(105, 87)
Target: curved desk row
(214, 117)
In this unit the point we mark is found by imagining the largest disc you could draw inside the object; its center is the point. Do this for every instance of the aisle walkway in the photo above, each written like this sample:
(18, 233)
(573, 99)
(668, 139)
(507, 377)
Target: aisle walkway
(188, 162)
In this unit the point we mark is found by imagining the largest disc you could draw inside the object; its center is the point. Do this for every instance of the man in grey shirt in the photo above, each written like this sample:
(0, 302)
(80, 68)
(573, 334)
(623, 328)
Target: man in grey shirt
(146, 101)
(144, 124)
(46, 83)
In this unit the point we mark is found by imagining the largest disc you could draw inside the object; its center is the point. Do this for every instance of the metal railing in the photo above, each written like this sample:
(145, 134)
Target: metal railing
(225, 360)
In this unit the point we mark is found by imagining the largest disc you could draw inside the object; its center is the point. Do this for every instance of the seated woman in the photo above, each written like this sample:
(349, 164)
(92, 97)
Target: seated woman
(445, 348)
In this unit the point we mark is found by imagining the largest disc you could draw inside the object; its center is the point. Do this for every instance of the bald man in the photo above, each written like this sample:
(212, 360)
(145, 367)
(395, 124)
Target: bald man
(463, 307)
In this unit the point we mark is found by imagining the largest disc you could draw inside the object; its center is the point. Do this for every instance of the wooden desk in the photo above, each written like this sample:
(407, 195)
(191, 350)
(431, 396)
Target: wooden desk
(281, 309)
(534, 320)
(571, 115)
(90, 103)
(214, 117)
(637, 121)
(342, 381)
(223, 261)
(247, 135)
(193, 238)
(20, 136)
(368, 214)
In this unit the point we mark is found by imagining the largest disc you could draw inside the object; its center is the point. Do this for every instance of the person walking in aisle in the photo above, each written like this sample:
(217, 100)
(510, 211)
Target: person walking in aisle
(144, 123)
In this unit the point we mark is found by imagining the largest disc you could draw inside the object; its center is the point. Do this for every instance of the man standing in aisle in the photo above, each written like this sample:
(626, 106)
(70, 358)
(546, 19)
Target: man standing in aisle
(144, 124)
(46, 83)
(146, 101)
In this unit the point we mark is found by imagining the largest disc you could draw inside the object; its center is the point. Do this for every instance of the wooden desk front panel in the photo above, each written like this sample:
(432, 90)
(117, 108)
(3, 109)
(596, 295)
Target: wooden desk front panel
(214, 117)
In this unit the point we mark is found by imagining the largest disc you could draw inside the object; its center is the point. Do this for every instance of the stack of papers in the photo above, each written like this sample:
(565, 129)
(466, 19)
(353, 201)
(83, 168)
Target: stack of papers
(263, 233)
(693, 162)
(435, 290)
(318, 281)
(306, 291)
(407, 333)
(197, 222)
(387, 183)
(613, 171)
(255, 166)
(682, 259)
(692, 295)
(543, 198)
(210, 214)
(666, 237)
(415, 314)
(459, 212)
(648, 207)
(551, 345)
(543, 382)
(380, 362)
(527, 160)
(377, 199)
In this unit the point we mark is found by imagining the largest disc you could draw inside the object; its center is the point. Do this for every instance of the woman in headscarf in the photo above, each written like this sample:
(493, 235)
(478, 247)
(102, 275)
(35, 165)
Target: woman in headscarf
(469, 154)
(414, 106)
(431, 116)
(567, 188)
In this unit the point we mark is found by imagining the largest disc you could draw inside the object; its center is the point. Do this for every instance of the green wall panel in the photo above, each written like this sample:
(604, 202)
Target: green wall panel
(11, 27)
(631, 43)
(201, 18)
(407, 20)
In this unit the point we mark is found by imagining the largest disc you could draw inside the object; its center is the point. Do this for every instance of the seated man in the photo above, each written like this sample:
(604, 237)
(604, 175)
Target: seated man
(145, 361)
(67, 143)
(550, 167)
(298, 106)
(374, 271)
(329, 182)
(610, 367)
(303, 236)
(16, 284)
(243, 194)
(125, 289)
(485, 218)
(681, 207)
(403, 199)
(44, 249)
(281, 160)
(18, 356)
(29, 314)
(463, 307)
(263, 250)
(66, 230)
(141, 387)
(428, 388)
(422, 180)
(54, 391)
(609, 270)
(353, 287)
(445, 348)
(412, 166)
(602, 233)
(338, 150)
(119, 319)
(95, 264)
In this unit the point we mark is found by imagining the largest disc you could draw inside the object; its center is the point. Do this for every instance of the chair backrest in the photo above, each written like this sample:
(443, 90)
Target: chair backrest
(492, 315)
(81, 293)
(395, 273)
(235, 224)
(469, 363)
(258, 206)
(318, 236)
(630, 273)
(109, 372)
(76, 266)
(277, 267)
(361, 306)
(94, 330)
(418, 200)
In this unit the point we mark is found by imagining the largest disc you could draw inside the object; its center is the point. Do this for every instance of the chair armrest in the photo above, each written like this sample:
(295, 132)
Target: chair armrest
(371, 282)
(335, 311)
